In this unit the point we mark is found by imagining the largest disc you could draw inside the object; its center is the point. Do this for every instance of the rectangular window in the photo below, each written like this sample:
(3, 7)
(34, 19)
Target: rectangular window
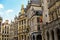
(38, 19)
(25, 37)
(7, 35)
(22, 36)
(38, 27)
(3, 31)
(19, 23)
(2, 35)
(22, 22)
(38, 13)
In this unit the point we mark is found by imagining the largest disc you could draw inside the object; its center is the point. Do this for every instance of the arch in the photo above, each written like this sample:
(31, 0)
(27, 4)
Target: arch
(39, 37)
(47, 35)
(52, 33)
(33, 37)
(28, 37)
(58, 33)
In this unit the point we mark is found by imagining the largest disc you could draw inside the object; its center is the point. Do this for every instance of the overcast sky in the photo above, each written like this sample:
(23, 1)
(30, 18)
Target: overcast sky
(10, 8)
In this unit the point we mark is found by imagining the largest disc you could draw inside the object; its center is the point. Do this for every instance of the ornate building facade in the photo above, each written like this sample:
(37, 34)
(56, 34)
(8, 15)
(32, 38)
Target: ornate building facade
(30, 20)
(22, 25)
(5, 30)
(0, 28)
(42, 19)
(51, 27)
(34, 15)
(14, 29)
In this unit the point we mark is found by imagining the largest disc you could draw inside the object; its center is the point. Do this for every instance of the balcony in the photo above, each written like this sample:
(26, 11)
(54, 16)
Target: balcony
(52, 24)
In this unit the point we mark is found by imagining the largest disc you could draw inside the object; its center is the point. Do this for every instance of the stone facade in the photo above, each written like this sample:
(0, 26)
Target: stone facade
(5, 30)
(23, 27)
(0, 28)
(14, 29)
(51, 27)
(43, 18)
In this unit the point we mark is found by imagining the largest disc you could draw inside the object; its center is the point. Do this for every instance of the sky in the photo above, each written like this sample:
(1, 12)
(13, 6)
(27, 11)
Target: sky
(10, 8)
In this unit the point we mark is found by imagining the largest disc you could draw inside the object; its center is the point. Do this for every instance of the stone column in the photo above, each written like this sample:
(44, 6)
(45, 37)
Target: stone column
(18, 30)
(31, 37)
(45, 36)
(50, 36)
(55, 35)
(35, 37)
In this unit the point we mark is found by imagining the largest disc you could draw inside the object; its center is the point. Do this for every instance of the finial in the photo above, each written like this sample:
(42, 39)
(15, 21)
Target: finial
(22, 6)
(22, 9)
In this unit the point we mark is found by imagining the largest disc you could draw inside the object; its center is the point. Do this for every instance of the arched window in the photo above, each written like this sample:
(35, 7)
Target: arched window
(33, 37)
(39, 37)
(47, 35)
(58, 33)
(52, 32)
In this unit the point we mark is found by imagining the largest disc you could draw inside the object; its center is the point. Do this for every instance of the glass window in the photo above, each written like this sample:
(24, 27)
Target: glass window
(38, 19)
(47, 35)
(19, 23)
(3, 31)
(52, 32)
(38, 13)
(5, 38)
(25, 37)
(22, 22)
(22, 36)
(38, 27)
(5, 35)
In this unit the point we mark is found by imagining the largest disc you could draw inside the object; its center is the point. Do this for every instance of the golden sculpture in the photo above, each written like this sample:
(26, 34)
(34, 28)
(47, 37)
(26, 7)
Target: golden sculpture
(22, 9)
